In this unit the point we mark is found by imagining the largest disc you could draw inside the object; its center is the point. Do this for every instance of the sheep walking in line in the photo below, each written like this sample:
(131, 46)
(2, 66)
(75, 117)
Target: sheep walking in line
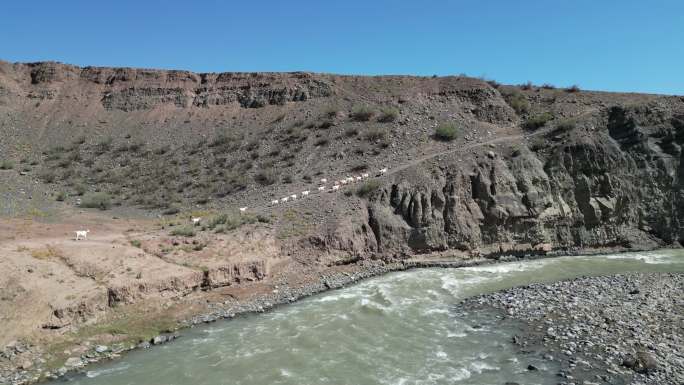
(81, 234)
(335, 187)
(243, 209)
(358, 178)
(364, 176)
(324, 181)
(344, 181)
(383, 170)
(196, 221)
(305, 193)
(321, 188)
(294, 197)
(274, 202)
(284, 199)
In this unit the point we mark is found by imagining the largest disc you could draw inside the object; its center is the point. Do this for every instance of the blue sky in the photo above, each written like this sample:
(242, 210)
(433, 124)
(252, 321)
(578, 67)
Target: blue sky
(613, 45)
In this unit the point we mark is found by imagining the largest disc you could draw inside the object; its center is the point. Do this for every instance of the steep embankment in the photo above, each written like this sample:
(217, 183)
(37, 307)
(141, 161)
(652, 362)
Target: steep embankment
(613, 178)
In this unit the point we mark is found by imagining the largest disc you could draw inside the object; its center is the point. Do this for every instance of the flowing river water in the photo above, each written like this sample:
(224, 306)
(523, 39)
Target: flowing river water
(401, 328)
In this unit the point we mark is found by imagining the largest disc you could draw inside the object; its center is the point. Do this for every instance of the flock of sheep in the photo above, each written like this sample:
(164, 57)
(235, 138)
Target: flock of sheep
(82, 234)
(322, 187)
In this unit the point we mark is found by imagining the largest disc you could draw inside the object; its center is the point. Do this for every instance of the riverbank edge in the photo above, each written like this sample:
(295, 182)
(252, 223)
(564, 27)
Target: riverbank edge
(260, 303)
(578, 364)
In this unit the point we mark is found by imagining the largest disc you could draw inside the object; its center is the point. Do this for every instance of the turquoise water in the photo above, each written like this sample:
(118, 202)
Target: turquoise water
(401, 328)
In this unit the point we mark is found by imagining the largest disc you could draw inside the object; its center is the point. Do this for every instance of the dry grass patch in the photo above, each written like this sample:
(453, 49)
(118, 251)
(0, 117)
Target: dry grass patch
(46, 253)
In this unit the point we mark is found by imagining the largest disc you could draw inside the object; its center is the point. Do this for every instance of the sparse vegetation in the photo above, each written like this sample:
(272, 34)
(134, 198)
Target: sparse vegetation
(79, 140)
(6, 165)
(103, 145)
(331, 112)
(183, 231)
(227, 221)
(359, 167)
(162, 150)
(48, 176)
(538, 121)
(265, 177)
(367, 188)
(493, 83)
(565, 125)
(48, 252)
(252, 145)
(376, 134)
(362, 114)
(97, 200)
(136, 243)
(294, 224)
(263, 219)
(447, 132)
(351, 132)
(61, 196)
(388, 115)
(324, 125)
(517, 101)
(573, 88)
(79, 189)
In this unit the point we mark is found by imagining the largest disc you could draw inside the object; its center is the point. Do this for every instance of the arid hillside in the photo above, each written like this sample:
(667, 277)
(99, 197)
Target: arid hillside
(474, 169)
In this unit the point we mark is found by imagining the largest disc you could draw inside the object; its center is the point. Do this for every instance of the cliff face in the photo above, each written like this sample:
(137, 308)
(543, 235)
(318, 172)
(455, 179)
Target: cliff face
(614, 179)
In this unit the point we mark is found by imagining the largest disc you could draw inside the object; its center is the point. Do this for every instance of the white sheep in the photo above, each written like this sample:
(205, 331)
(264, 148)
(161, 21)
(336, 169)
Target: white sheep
(274, 202)
(284, 199)
(196, 221)
(81, 234)
(243, 209)
(383, 170)
(305, 193)
(294, 197)
(324, 180)
(336, 187)
(351, 179)
(358, 178)
(344, 181)
(364, 175)
(321, 188)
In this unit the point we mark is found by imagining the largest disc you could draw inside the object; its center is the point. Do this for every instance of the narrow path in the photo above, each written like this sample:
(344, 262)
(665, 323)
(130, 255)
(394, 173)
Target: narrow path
(395, 169)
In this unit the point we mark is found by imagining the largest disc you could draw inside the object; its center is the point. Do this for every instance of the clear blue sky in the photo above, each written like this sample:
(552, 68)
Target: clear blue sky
(617, 45)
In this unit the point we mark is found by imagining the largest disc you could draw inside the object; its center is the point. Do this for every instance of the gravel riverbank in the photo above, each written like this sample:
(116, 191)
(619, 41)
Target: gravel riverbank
(619, 329)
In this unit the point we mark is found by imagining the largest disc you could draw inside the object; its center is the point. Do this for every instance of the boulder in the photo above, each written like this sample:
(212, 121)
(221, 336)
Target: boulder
(73, 362)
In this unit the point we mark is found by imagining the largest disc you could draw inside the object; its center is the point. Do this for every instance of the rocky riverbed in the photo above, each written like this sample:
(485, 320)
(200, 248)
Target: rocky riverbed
(618, 329)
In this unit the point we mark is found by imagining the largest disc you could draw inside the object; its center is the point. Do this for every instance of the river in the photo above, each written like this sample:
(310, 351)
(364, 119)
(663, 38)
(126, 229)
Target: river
(401, 328)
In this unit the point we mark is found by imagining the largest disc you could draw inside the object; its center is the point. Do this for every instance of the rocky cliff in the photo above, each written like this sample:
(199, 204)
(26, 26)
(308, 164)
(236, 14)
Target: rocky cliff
(612, 178)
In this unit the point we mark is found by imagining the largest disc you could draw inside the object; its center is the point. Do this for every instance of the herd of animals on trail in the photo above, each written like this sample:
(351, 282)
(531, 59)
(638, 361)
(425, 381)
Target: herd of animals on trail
(83, 234)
